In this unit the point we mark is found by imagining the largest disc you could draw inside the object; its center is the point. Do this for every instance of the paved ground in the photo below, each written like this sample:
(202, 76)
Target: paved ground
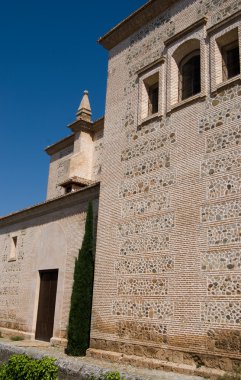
(83, 368)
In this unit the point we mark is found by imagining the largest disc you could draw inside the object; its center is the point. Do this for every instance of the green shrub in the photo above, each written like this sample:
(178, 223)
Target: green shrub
(1, 335)
(21, 367)
(112, 376)
(81, 299)
(108, 376)
(16, 338)
(3, 372)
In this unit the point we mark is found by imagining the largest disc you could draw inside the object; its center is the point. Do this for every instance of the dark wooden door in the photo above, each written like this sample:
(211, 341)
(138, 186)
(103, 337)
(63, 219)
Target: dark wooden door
(46, 305)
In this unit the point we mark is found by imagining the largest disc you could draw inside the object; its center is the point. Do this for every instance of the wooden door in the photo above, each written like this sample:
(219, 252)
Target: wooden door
(46, 305)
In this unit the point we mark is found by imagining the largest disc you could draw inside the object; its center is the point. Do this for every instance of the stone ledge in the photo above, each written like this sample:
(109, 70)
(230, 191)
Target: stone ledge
(82, 368)
(58, 342)
(8, 333)
(68, 367)
(154, 364)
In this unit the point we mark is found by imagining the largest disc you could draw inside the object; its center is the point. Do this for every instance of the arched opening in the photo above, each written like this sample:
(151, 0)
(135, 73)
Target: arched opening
(189, 75)
(186, 71)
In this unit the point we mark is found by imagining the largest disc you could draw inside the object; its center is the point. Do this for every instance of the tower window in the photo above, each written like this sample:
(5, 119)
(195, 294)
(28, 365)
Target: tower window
(150, 96)
(231, 60)
(190, 76)
(153, 99)
(227, 56)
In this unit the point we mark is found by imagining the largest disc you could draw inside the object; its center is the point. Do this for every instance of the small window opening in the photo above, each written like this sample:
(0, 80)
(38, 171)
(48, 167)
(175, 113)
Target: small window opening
(227, 56)
(68, 189)
(231, 60)
(190, 76)
(150, 96)
(153, 99)
(13, 251)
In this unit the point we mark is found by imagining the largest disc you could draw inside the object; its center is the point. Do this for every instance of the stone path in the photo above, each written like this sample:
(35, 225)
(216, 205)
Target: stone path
(82, 368)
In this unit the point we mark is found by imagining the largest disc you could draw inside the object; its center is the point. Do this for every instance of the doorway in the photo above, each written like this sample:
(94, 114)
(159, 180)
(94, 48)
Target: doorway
(46, 305)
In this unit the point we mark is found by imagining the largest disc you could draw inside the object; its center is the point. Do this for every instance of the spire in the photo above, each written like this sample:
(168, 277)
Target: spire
(84, 110)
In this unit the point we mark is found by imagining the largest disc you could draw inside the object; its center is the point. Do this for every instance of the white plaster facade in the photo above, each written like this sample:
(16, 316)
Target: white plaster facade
(48, 236)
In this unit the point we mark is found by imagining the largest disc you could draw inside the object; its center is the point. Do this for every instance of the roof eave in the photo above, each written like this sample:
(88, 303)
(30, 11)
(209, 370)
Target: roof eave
(135, 21)
(50, 205)
(59, 145)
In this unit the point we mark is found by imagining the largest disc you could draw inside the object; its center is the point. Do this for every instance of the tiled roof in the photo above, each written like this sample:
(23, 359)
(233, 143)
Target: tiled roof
(77, 180)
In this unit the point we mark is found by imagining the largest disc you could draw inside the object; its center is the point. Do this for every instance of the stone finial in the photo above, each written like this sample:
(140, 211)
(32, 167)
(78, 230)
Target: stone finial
(84, 110)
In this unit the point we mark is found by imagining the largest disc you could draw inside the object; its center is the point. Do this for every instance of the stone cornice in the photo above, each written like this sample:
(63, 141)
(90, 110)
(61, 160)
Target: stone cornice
(214, 28)
(151, 66)
(77, 126)
(81, 125)
(59, 145)
(190, 28)
(87, 126)
(83, 195)
(135, 21)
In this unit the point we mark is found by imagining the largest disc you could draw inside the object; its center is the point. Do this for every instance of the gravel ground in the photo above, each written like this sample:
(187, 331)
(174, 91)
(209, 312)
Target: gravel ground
(82, 368)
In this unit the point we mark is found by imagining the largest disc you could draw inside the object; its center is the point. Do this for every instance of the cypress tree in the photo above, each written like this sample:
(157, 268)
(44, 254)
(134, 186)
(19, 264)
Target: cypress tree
(81, 299)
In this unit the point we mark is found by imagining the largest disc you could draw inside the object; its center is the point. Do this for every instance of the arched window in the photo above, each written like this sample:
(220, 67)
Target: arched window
(189, 75)
(185, 66)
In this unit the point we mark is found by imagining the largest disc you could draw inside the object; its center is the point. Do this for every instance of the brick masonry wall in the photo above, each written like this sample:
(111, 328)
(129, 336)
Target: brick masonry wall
(48, 241)
(167, 265)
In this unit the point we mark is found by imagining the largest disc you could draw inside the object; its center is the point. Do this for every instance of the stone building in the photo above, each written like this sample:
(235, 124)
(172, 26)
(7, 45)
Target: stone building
(38, 245)
(168, 259)
(168, 262)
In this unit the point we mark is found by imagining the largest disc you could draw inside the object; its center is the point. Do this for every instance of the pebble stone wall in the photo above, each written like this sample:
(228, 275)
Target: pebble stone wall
(169, 234)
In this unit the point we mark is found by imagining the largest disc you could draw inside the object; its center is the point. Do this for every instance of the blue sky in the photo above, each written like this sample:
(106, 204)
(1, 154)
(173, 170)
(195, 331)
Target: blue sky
(49, 56)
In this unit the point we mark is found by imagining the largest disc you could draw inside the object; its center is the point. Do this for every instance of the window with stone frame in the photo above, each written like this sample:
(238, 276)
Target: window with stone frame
(150, 96)
(228, 57)
(153, 99)
(186, 71)
(190, 75)
(230, 60)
